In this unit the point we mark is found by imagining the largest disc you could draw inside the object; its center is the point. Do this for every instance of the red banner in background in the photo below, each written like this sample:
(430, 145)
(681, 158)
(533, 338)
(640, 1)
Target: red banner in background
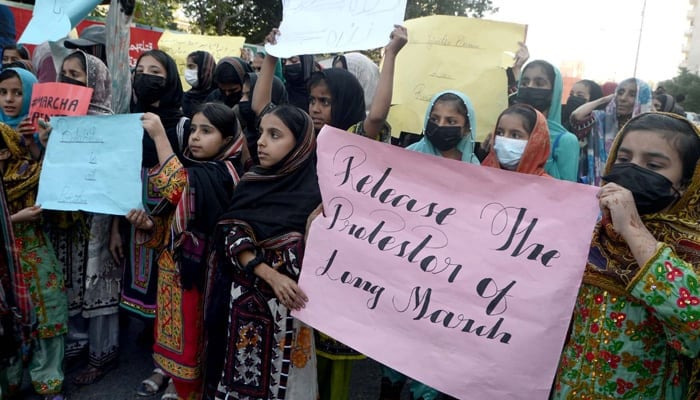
(142, 39)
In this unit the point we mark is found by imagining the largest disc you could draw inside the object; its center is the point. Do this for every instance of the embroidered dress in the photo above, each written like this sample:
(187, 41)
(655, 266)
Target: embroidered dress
(634, 327)
(41, 273)
(199, 193)
(268, 353)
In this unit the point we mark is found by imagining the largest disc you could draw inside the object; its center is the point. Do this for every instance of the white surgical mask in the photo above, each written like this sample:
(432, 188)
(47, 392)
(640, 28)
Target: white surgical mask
(191, 76)
(509, 151)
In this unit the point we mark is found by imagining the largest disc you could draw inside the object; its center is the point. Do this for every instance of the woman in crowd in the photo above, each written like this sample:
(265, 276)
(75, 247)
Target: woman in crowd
(600, 127)
(200, 75)
(634, 321)
(540, 86)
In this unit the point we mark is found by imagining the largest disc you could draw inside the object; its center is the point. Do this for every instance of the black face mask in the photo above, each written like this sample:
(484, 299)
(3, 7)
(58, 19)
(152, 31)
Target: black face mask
(443, 137)
(247, 114)
(294, 74)
(148, 88)
(233, 98)
(652, 191)
(6, 66)
(541, 99)
(68, 79)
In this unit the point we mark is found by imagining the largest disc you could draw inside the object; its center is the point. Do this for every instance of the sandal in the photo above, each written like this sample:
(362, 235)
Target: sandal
(170, 392)
(150, 386)
(92, 374)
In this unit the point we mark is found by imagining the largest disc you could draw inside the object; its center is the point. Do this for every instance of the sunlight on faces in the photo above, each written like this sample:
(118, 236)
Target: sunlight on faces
(149, 65)
(276, 141)
(73, 69)
(446, 113)
(512, 126)
(625, 96)
(535, 77)
(652, 151)
(205, 141)
(320, 101)
(11, 96)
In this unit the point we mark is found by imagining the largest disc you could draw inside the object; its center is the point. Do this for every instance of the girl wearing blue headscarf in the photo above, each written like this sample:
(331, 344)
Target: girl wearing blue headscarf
(541, 86)
(15, 95)
(448, 129)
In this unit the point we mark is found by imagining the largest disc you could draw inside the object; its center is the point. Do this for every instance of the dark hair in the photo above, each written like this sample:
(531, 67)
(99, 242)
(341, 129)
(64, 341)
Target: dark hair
(527, 113)
(677, 132)
(23, 53)
(546, 67)
(222, 117)
(160, 56)
(9, 74)
(294, 118)
(458, 103)
(594, 89)
(225, 72)
(78, 56)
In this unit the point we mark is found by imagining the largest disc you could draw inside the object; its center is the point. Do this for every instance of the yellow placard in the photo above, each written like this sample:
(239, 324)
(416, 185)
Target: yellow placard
(457, 53)
(180, 45)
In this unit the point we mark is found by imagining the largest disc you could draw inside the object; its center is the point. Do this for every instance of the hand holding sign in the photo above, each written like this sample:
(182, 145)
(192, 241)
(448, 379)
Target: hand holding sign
(53, 19)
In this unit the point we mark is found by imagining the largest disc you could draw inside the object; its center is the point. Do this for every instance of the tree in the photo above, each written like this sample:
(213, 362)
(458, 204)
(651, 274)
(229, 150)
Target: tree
(156, 13)
(250, 18)
(468, 8)
(687, 84)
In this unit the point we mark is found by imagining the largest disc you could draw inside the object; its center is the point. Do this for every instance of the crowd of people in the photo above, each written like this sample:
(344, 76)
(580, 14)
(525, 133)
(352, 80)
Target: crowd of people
(212, 260)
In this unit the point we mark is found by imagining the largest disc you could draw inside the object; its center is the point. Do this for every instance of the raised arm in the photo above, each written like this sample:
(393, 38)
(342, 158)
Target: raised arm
(382, 98)
(262, 94)
(585, 110)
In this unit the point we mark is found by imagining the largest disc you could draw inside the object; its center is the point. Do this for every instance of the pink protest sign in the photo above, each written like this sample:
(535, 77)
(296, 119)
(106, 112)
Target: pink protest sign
(462, 277)
(53, 99)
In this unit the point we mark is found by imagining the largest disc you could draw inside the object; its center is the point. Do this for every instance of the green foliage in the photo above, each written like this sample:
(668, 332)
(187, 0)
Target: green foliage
(156, 13)
(250, 18)
(687, 84)
(468, 8)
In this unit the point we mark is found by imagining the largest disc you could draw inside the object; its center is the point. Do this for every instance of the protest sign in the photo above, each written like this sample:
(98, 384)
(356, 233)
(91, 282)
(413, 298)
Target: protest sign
(54, 99)
(53, 19)
(180, 45)
(460, 276)
(93, 164)
(331, 26)
(476, 68)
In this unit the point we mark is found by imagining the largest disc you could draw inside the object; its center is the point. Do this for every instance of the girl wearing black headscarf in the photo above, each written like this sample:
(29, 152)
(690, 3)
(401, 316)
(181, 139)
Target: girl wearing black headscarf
(245, 113)
(261, 249)
(200, 75)
(228, 76)
(156, 89)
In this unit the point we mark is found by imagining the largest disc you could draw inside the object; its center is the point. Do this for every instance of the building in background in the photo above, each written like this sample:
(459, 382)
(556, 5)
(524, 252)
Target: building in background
(691, 49)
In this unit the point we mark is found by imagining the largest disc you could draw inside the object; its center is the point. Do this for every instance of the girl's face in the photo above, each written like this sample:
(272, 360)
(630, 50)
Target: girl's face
(446, 113)
(652, 151)
(276, 141)
(625, 97)
(190, 63)
(73, 69)
(245, 95)
(205, 140)
(535, 77)
(10, 56)
(657, 105)
(581, 90)
(11, 96)
(320, 101)
(150, 66)
(512, 126)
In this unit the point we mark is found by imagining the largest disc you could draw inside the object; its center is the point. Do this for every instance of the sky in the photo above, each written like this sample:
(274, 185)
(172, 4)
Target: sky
(604, 34)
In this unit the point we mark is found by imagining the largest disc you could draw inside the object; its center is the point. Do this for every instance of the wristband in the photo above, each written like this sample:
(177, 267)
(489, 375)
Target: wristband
(257, 260)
